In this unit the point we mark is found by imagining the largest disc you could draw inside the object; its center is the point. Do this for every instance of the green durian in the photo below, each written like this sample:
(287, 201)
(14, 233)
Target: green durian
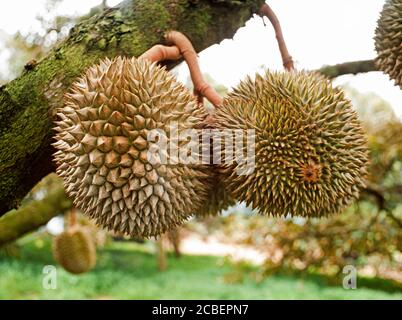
(388, 40)
(310, 149)
(75, 250)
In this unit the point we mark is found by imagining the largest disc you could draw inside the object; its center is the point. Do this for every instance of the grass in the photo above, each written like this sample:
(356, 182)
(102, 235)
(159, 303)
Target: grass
(128, 271)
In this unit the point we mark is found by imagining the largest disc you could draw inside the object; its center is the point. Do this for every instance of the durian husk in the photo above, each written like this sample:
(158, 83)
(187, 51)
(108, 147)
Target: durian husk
(102, 148)
(310, 149)
(388, 40)
(75, 250)
(218, 199)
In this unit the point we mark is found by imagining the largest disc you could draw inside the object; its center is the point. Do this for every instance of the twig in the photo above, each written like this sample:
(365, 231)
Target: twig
(161, 255)
(379, 197)
(201, 88)
(73, 217)
(287, 60)
(180, 46)
(353, 67)
(381, 203)
(159, 53)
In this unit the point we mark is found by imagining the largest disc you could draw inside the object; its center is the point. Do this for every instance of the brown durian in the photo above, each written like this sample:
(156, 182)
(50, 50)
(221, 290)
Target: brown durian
(388, 40)
(102, 148)
(75, 250)
(310, 150)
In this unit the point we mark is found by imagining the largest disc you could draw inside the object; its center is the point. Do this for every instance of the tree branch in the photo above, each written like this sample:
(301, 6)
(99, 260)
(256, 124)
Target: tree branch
(353, 67)
(381, 202)
(201, 87)
(35, 214)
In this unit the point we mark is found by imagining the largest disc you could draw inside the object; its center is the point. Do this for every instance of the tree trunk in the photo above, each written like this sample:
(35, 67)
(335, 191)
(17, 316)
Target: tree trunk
(28, 104)
(175, 239)
(35, 214)
(161, 255)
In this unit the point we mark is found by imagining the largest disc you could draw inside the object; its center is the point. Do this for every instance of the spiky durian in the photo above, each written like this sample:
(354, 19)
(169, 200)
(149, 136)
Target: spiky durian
(218, 198)
(75, 249)
(388, 40)
(310, 150)
(103, 146)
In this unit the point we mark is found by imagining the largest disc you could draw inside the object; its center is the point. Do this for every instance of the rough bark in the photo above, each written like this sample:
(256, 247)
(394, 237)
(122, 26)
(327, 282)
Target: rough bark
(353, 67)
(28, 104)
(35, 214)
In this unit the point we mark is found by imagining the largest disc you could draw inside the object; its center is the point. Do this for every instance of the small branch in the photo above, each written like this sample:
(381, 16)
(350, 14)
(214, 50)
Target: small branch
(201, 88)
(182, 47)
(395, 219)
(160, 53)
(381, 203)
(287, 60)
(353, 67)
(73, 217)
(377, 194)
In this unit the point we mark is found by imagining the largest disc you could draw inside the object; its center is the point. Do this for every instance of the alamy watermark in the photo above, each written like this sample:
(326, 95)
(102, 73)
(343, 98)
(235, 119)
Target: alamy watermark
(203, 146)
(350, 278)
(49, 281)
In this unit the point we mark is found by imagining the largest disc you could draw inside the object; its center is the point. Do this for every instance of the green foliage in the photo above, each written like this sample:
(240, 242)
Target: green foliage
(128, 271)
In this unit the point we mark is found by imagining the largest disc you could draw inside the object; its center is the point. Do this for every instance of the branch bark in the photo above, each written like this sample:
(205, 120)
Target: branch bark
(353, 67)
(35, 214)
(28, 104)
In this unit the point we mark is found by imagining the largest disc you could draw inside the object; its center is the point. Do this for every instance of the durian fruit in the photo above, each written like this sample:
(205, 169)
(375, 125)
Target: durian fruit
(218, 198)
(75, 250)
(103, 148)
(310, 150)
(388, 40)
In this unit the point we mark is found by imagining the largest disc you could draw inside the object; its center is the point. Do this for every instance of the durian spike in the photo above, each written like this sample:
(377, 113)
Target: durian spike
(287, 59)
(159, 53)
(201, 88)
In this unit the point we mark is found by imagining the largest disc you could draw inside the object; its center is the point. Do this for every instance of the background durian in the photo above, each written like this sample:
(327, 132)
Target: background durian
(388, 40)
(310, 150)
(75, 249)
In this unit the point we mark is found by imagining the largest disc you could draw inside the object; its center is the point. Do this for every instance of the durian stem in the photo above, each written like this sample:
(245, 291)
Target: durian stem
(73, 217)
(201, 88)
(287, 59)
(160, 53)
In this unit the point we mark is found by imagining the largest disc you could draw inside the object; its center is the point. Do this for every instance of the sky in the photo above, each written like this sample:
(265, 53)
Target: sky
(317, 32)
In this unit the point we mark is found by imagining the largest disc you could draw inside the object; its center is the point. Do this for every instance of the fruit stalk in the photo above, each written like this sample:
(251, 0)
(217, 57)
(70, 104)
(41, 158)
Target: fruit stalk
(266, 11)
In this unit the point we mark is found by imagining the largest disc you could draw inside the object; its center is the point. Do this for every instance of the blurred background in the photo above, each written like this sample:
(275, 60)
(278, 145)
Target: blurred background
(238, 255)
